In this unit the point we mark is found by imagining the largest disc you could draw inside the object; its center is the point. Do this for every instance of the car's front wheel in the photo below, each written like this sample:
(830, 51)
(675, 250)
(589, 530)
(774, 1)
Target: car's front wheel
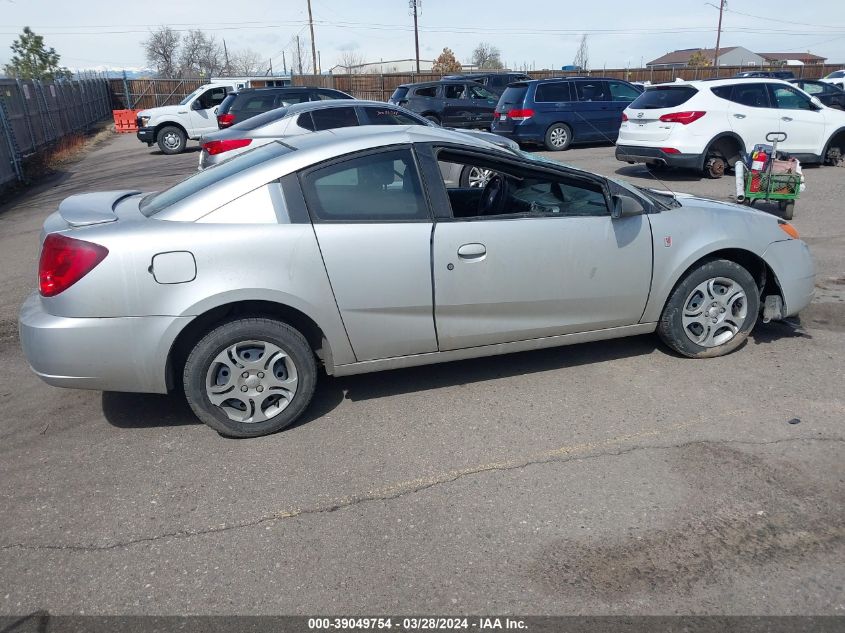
(711, 311)
(250, 377)
(171, 140)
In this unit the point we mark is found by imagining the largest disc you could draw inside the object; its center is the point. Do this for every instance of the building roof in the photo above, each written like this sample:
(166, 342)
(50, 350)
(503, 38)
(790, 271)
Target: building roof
(778, 57)
(682, 56)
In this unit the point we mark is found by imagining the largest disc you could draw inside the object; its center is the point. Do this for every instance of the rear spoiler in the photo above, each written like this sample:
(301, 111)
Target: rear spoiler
(92, 208)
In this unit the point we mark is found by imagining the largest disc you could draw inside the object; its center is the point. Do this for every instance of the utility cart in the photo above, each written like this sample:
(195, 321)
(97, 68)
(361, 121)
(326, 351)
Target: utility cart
(772, 184)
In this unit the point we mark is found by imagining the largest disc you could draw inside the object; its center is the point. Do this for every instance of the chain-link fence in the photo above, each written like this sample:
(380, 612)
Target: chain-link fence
(34, 115)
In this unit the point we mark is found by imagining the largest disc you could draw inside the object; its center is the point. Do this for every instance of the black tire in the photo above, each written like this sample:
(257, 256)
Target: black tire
(558, 137)
(787, 209)
(432, 118)
(171, 139)
(207, 349)
(671, 329)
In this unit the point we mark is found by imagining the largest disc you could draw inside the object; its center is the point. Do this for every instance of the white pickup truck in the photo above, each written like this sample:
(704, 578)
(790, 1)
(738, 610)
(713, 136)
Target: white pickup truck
(172, 126)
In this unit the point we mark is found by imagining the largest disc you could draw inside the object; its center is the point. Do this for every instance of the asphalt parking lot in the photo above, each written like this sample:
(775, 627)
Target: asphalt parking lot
(604, 478)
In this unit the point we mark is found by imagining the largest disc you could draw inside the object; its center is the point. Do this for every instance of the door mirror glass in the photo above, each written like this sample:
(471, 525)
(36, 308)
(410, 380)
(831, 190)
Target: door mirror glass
(816, 102)
(625, 206)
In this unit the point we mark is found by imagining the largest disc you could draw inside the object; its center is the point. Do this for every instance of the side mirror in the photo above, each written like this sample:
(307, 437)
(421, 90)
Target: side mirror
(625, 206)
(816, 102)
(197, 105)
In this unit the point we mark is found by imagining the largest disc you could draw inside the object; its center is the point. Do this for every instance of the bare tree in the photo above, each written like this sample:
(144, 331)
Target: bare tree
(351, 61)
(200, 55)
(247, 62)
(161, 49)
(300, 62)
(487, 56)
(582, 57)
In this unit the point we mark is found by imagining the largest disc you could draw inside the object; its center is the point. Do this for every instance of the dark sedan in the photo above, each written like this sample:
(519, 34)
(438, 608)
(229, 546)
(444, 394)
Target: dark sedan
(830, 95)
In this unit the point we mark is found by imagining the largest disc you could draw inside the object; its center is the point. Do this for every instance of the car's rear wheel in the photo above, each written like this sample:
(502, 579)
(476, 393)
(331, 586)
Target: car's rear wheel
(171, 140)
(558, 137)
(475, 177)
(711, 311)
(250, 377)
(715, 165)
(432, 118)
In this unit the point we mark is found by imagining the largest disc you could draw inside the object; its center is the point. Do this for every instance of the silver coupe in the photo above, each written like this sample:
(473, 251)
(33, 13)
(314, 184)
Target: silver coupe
(344, 250)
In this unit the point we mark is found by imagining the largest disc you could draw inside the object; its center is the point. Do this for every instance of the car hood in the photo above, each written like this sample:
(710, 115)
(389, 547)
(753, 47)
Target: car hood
(163, 110)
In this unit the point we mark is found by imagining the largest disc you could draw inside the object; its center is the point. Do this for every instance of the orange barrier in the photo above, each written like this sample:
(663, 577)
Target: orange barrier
(125, 121)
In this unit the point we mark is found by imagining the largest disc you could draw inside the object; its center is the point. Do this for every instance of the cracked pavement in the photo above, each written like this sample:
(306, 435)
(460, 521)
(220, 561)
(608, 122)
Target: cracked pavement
(601, 478)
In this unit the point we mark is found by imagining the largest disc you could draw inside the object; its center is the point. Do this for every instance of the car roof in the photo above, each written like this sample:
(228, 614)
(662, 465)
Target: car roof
(445, 80)
(711, 83)
(281, 89)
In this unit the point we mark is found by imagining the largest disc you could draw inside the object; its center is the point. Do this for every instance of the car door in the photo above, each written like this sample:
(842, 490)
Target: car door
(203, 112)
(801, 121)
(593, 113)
(373, 226)
(550, 262)
(480, 103)
(455, 105)
(750, 113)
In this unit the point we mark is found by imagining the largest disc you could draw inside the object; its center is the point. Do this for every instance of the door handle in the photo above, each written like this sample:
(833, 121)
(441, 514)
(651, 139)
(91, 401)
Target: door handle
(739, 116)
(472, 251)
(785, 118)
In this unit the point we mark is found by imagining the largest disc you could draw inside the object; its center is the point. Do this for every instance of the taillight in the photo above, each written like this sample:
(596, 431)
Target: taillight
(218, 147)
(624, 117)
(225, 120)
(64, 261)
(518, 114)
(684, 118)
(670, 150)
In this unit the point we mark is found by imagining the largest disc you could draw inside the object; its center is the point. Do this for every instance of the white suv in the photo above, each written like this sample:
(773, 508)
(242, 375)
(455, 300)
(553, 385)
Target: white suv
(837, 78)
(707, 125)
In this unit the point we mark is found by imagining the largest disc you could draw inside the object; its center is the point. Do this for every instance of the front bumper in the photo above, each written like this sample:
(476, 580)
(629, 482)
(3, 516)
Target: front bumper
(795, 272)
(111, 354)
(146, 135)
(645, 154)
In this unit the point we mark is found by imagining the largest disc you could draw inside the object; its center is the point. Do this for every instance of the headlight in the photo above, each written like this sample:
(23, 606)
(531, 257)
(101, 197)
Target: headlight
(144, 120)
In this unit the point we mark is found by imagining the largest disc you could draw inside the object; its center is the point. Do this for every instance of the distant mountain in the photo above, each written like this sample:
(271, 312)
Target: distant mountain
(115, 73)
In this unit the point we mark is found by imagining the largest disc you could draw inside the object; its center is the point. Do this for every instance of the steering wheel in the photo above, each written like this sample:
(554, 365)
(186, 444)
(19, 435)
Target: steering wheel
(493, 196)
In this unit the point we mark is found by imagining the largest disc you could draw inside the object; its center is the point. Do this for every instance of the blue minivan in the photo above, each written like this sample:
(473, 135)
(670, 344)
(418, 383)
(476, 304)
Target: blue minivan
(559, 112)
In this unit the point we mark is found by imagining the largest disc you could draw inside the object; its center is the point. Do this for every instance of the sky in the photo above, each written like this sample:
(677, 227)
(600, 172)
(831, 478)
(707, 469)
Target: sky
(535, 33)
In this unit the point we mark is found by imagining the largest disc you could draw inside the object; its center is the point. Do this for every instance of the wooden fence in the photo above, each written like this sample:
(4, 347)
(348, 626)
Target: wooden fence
(137, 94)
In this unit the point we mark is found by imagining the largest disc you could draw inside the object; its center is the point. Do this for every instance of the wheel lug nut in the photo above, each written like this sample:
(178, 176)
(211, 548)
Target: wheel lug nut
(259, 388)
(244, 388)
(245, 374)
(261, 374)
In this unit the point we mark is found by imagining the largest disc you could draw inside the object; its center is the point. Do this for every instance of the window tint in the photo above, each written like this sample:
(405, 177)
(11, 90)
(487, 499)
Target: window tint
(790, 99)
(326, 95)
(453, 91)
(287, 97)
(399, 94)
(255, 103)
(213, 97)
(527, 192)
(747, 94)
(622, 92)
(477, 92)
(156, 202)
(387, 116)
(591, 91)
(428, 91)
(556, 91)
(812, 89)
(305, 121)
(380, 187)
(663, 97)
(331, 118)
(513, 94)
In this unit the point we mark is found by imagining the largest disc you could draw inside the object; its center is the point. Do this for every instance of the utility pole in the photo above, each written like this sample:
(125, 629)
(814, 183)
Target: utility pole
(271, 66)
(313, 45)
(298, 55)
(718, 37)
(414, 5)
(319, 62)
(226, 57)
(284, 65)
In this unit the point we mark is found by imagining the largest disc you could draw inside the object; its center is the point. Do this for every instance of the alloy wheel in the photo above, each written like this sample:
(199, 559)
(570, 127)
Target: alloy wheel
(714, 312)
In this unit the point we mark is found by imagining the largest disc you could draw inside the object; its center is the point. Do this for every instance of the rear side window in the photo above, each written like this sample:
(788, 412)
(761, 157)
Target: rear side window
(556, 91)
(591, 91)
(305, 121)
(399, 93)
(622, 92)
(255, 103)
(428, 91)
(379, 187)
(326, 95)
(387, 116)
(514, 94)
(663, 97)
(226, 105)
(260, 120)
(289, 98)
(453, 91)
(332, 118)
(752, 95)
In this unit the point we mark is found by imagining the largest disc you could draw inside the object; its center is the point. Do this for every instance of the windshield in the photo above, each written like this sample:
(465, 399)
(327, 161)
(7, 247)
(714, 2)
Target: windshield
(191, 96)
(156, 202)
(663, 97)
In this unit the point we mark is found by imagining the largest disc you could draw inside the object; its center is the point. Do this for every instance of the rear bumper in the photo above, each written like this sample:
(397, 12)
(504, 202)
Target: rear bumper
(520, 134)
(795, 271)
(113, 354)
(146, 135)
(644, 154)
